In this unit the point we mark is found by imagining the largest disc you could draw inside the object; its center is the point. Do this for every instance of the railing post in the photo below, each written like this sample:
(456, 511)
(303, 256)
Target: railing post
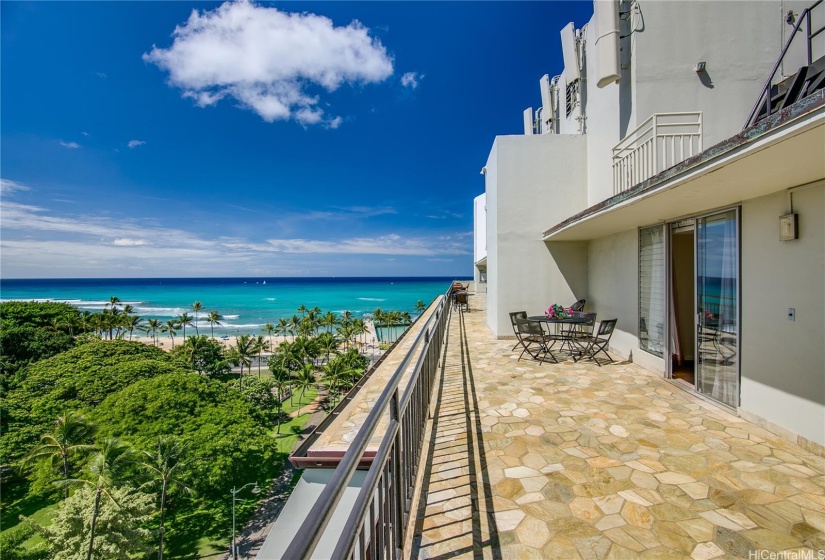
(398, 491)
(655, 144)
(808, 25)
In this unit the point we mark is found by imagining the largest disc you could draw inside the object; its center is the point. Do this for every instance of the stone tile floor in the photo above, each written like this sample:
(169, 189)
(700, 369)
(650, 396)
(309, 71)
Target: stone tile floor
(529, 460)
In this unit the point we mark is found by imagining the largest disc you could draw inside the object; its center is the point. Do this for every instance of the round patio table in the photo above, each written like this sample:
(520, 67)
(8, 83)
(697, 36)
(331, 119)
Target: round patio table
(564, 337)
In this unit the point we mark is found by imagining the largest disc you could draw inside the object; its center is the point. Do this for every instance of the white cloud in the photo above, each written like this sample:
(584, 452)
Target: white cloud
(383, 245)
(35, 242)
(274, 63)
(126, 242)
(7, 186)
(411, 79)
(85, 133)
(70, 145)
(135, 143)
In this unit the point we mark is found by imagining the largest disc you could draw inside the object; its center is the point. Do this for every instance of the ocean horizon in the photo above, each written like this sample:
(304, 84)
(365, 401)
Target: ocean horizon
(246, 303)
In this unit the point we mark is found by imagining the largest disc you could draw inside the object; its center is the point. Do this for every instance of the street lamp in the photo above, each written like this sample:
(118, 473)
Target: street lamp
(234, 491)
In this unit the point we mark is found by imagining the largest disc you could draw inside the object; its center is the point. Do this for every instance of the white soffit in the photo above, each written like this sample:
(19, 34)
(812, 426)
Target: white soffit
(794, 155)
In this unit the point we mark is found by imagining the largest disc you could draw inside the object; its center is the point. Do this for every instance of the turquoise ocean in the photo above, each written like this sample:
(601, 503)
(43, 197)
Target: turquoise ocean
(246, 304)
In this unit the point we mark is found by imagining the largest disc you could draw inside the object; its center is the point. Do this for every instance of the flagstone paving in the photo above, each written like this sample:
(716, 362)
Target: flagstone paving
(572, 460)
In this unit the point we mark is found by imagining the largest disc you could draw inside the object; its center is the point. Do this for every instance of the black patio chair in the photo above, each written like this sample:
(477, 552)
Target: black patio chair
(579, 305)
(592, 345)
(460, 301)
(534, 340)
(578, 332)
(513, 316)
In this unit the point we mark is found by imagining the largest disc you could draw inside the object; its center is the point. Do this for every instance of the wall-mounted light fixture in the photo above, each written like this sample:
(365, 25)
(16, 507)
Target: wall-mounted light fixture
(699, 67)
(788, 227)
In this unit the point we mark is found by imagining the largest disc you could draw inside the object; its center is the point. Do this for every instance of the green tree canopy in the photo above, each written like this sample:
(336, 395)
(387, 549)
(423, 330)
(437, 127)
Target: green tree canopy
(31, 331)
(119, 533)
(203, 354)
(226, 440)
(78, 379)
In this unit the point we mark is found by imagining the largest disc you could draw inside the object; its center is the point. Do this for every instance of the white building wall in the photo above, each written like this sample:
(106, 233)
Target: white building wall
(529, 180)
(602, 127)
(782, 361)
(480, 241)
(493, 271)
(613, 287)
(738, 41)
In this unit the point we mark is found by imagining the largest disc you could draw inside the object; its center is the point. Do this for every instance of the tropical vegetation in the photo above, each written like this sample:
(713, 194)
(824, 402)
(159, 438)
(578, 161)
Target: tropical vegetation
(117, 449)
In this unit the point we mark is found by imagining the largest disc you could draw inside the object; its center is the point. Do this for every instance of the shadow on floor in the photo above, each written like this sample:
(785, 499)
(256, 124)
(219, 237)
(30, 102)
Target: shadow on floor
(455, 514)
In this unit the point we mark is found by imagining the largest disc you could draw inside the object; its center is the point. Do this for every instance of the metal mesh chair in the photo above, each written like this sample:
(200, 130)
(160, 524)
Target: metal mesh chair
(460, 301)
(592, 345)
(579, 305)
(513, 316)
(580, 331)
(533, 340)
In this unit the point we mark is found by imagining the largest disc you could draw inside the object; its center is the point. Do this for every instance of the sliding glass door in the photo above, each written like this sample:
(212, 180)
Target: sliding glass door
(717, 307)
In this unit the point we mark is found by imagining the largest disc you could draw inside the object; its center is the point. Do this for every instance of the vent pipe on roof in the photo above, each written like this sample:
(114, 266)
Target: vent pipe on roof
(606, 16)
(528, 121)
(570, 53)
(548, 105)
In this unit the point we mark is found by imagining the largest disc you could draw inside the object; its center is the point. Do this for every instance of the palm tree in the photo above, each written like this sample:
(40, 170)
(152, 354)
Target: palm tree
(183, 320)
(302, 309)
(170, 326)
(130, 322)
(294, 323)
(243, 351)
(330, 320)
(304, 379)
(197, 306)
(338, 373)
(420, 306)
(85, 321)
(110, 319)
(282, 328)
(214, 318)
(104, 471)
(153, 326)
(269, 328)
(70, 432)
(113, 301)
(377, 318)
(346, 332)
(327, 343)
(258, 347)
(163, 466)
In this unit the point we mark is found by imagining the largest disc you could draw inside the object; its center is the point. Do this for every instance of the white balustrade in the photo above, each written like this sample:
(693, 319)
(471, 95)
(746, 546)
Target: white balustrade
(660, 142)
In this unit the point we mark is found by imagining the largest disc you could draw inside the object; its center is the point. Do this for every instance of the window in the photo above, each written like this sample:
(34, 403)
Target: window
(571, 97)
(652, 290)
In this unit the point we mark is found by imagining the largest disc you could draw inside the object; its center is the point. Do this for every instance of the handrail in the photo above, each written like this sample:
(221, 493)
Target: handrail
(765, 93)
(311, 530)
(661, 141)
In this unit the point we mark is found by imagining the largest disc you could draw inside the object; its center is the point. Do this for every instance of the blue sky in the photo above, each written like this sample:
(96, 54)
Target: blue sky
(151, 139)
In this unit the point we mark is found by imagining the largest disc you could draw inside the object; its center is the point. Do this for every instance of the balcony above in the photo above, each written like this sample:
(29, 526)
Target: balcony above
(780, 152)
(660, 142)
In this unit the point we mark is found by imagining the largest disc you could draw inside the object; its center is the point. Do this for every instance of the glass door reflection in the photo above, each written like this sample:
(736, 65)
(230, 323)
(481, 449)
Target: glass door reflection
(717, 306)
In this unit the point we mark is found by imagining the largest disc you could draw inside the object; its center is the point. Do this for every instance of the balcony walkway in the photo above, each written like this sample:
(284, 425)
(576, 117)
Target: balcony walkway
(530, 460)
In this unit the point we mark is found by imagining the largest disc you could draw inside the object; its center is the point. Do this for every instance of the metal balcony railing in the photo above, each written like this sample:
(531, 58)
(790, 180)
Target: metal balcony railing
(376, 525)
(767, 104)
(662, 141)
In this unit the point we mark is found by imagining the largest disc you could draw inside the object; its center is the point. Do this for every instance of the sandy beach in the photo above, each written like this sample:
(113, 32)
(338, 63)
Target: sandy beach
(165, 343)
